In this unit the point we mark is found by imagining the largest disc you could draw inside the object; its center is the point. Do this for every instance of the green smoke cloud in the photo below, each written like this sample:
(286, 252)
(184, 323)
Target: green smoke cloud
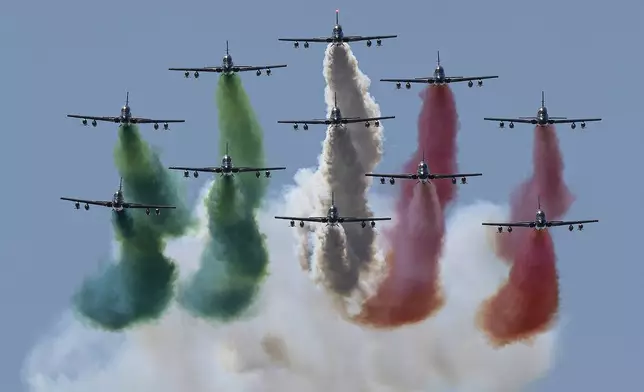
(138, 287)
(235, 259)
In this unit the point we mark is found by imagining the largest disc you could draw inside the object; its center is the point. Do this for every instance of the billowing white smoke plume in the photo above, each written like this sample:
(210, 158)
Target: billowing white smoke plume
(294, 340)
(342, 254)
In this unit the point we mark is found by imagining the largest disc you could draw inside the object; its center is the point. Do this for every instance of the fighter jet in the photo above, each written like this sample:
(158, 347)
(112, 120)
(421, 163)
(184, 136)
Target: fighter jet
(117, 204)
(541, 223)
(332, 218)
(423, 175)
(336, 119)
(543, 119)
(126, 117)
(337, 37)
(226, 168)
(228, 67)
(439, 78)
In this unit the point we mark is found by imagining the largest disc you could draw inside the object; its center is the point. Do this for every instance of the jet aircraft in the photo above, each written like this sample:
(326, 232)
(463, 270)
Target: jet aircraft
(423, 175)
(118, 203)
(541, 223)
(336, 119)
(228, 67)
(338, 38)
(125, 118)
(226, 168)
(332, 218)
(439, 78)
(543, 119)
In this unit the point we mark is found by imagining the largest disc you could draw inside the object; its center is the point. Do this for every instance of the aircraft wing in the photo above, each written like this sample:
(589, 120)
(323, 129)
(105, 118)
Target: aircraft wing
(137, 205)
(314, 121)
(354, 219)
(92, 202)
(97, 118)
(244, 68)
(257, 169)
(407, 176)
(140, 120)
(356, 38)
(202, 69)
(414, 80)
(567, 223)
(456, 79)
(513, 224)
(456, 175)
(350, 120)
(318, 39)
(555, 120)
(318, 219)
(524, 120)
(212, 169)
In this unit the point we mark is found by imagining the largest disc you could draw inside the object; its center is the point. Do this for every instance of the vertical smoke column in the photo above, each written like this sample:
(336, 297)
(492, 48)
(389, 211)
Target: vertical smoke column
(546, 185)
(528, 302)
(140, 286)
(437, 131)
(410, 292)
(351, 152)
(235, 259)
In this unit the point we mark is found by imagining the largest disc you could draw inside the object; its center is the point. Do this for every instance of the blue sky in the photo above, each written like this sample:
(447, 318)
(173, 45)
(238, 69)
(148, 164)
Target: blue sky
(81, 57)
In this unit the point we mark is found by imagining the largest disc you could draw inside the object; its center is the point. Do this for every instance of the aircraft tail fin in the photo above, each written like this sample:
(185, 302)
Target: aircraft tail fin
(335, 100)
(539, 201)
(226, 148)
(121, 185)
(543, 99)
(127, 98)
(332, 198)
(438, 57)
(227, 47)
(337, 17)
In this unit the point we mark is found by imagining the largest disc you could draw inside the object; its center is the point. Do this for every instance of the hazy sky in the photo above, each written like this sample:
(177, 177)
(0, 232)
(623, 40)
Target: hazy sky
(82, 57)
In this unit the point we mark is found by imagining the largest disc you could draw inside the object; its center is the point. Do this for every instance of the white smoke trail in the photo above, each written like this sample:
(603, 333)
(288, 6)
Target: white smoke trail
(296, 341)
(347, 154)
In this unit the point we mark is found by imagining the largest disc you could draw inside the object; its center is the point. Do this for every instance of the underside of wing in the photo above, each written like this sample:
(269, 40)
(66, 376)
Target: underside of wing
(510, 224)
(356, 38)
(203, 69)
(317, 219)
(97, 118)
(258, 169)
(524, 120)
(556, 120)
(317, 39)
(406, 176)
(138, 205)
(103, 203)
(415, 80)
(141, 120)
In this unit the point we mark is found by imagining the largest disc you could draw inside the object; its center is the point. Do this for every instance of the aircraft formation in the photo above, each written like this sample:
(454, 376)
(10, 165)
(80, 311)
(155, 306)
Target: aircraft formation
(333, 218)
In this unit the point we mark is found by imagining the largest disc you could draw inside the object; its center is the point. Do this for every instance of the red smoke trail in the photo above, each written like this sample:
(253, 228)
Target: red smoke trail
(528, 302)
(410, 292)
(437, 127)
(546, 183)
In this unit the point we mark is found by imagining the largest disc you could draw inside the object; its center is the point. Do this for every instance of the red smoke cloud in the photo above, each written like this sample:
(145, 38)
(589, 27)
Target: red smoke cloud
(410, 292)
(528, 302)
(547, 184)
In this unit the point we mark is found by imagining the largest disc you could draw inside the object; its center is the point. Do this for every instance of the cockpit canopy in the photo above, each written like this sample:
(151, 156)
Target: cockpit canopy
(228, 60)
(226, 160)
(125, 111)
(335, 113)
(439, 72)
(422, 167)
(542, 112)
(333, 211)
(541, 216)
(337, 31)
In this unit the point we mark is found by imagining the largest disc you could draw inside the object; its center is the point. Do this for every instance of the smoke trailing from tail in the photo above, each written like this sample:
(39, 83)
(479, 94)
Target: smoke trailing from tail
(235, 260)
(348, 153)
(410, 292)
(528, 303)
(140, 285)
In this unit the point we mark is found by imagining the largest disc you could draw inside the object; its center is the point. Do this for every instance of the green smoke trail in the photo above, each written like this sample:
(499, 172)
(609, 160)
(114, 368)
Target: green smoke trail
(235, 259)
(139, 287)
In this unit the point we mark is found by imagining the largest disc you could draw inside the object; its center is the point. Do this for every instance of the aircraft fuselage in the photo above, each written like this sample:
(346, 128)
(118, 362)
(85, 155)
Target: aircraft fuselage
(227, 165)
(336, 115)
(423, 172)
(439, 75)
(117, 201)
